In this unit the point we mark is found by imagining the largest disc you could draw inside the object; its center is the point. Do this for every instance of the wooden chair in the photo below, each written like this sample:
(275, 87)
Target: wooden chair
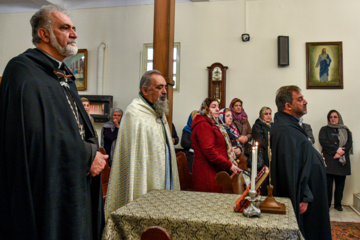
(230, 184)
(105, 175)
(185, 176)
(155, 233)
(236, 183)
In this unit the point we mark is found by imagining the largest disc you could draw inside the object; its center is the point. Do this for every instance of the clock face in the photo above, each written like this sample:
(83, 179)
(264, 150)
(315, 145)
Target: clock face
(217, 74)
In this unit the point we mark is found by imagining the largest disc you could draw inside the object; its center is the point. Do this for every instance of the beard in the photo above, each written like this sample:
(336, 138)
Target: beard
(161, 106)
(66, 51)
(299, 112)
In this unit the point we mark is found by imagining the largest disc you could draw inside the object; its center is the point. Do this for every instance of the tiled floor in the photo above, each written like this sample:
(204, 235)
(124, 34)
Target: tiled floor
(347, 215)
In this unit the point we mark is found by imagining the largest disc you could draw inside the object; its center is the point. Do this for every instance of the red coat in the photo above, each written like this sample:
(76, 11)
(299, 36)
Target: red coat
(210, 154)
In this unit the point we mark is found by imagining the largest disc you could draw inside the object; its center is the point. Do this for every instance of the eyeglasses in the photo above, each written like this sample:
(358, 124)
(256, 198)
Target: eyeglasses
(334, 117)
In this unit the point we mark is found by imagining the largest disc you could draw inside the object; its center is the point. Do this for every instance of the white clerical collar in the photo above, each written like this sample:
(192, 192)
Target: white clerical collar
(52, 58)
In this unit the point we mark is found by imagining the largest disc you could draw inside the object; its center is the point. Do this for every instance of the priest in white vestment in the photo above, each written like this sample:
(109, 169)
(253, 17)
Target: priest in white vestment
(144, 157)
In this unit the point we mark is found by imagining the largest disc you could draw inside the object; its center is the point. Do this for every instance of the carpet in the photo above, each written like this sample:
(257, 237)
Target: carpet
(345, 230)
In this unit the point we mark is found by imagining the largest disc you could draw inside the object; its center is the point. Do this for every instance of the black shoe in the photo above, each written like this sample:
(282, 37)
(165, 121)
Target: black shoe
(339, 208)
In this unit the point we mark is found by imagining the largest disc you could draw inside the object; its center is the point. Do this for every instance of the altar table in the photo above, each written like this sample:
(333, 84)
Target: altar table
(198, 215)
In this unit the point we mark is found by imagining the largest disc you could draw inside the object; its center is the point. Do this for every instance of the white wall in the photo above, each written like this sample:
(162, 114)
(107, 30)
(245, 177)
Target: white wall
(210, 32)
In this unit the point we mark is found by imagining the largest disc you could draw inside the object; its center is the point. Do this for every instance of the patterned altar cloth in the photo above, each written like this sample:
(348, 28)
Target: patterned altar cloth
(198, 215)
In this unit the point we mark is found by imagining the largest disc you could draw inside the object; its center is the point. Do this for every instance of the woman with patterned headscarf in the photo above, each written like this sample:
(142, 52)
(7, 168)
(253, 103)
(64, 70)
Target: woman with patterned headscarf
(260, 131)
(212, 148)
(226, 120)
(336, 141)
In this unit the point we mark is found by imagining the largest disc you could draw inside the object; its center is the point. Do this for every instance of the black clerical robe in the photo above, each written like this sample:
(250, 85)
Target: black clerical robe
(298, 172)
(44, 163)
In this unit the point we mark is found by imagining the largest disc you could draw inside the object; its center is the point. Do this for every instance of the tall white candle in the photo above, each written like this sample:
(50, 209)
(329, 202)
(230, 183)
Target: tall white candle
(253, 168)
(256, 153)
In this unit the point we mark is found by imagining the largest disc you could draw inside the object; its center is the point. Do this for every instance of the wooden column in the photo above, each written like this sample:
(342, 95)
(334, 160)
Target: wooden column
(164, 19)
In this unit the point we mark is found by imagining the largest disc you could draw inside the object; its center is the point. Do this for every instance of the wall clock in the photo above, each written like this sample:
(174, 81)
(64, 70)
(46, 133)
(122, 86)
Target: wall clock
(217, 82)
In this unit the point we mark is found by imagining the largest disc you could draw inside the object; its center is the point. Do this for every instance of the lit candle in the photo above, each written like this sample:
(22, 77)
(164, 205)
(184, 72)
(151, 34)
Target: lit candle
(253, 168)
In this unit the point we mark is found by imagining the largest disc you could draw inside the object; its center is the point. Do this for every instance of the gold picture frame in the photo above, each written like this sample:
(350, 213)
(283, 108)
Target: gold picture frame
(324, 65)
(78, 66)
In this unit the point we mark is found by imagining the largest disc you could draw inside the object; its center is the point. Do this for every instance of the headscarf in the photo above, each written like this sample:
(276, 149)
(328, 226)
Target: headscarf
(189, 122)
(261, 114)
(343, 136)
(238, 116)
(204, 110)
(232, 128)
(110, 123)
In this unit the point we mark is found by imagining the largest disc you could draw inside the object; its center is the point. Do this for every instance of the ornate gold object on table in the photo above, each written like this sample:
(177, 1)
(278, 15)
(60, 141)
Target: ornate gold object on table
(270, 205)
(217, 82)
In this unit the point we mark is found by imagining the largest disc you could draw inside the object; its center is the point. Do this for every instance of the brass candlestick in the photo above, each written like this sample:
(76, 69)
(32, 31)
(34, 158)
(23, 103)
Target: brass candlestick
(270, 205)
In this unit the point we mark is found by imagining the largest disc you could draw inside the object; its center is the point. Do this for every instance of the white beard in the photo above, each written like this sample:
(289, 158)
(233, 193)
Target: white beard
(161, 107)
(68, 50)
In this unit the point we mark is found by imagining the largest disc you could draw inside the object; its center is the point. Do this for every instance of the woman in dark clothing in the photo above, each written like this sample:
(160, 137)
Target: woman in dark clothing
(175, 137)
(260, 134)
(260, 131)
(109, 133)
(186, 140)
(336, 142)
(212, 147)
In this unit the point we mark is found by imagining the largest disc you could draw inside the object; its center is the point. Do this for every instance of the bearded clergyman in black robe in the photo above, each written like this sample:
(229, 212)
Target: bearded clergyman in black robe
(298, 170)
(49, 164)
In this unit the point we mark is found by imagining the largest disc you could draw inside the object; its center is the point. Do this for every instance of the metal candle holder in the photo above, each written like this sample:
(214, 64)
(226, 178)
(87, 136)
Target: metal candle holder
(252, 210)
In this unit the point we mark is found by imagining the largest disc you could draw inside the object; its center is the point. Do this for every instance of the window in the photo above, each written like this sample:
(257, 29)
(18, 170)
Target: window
(148, 59)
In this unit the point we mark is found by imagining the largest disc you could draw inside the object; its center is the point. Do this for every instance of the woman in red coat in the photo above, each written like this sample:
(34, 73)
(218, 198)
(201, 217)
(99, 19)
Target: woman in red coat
(212, 148)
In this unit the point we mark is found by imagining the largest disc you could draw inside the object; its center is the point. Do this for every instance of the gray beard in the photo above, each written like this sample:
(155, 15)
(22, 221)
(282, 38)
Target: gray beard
(161, 107)
(66, 51)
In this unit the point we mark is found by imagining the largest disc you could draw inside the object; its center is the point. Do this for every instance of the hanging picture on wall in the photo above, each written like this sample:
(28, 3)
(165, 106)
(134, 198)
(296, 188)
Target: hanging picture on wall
(78, 66)
(324, 66)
